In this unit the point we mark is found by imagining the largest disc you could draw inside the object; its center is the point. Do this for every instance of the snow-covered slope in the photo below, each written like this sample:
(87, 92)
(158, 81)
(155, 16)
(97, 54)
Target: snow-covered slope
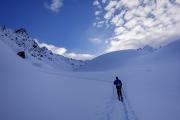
(150, 86)
(31, 93)
(151, 82)
(115, 60)
(19, 40)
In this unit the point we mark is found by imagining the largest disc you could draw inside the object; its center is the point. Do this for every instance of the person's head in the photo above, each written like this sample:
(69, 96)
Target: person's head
(117, 78)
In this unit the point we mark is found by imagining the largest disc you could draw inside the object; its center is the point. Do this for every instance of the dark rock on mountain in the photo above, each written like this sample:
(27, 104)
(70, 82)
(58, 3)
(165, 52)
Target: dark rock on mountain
(22, 31)
(21, 54)
(29, 49)
(3, 28)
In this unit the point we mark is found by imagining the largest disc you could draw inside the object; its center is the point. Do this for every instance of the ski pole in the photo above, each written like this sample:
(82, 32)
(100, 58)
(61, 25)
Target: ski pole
(123, 93)
(114, 91)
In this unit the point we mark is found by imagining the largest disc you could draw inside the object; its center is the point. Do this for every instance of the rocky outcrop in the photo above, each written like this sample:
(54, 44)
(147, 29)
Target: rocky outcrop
(21, 54)
(22, 31)
(29, 49)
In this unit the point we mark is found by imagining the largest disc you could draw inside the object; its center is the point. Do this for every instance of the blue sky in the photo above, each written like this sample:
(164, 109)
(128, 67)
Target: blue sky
(70, 27)
(86, 28)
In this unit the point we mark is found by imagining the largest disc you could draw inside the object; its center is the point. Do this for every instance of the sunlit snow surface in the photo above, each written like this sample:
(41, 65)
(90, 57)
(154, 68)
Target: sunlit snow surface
(150, 85)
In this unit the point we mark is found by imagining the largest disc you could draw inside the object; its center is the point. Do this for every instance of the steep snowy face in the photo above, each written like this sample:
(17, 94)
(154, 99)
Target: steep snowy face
(20, 42)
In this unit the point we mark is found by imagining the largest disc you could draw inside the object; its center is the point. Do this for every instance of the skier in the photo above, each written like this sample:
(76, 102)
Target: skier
(118, 84)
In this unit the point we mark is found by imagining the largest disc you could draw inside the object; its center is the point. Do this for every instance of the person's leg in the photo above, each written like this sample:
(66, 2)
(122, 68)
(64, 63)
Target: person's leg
(119, 96)
(117, 93)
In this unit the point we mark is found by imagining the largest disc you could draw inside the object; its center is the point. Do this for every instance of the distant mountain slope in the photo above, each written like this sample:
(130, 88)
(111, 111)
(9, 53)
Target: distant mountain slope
(20, 41)
(115, 60)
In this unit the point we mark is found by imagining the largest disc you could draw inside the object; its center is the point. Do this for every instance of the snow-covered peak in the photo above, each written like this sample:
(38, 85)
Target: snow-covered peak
(19, 41)
(148, 48)
(22, 31)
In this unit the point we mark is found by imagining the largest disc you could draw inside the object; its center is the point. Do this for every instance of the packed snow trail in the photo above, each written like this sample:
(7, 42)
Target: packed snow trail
(125, 110)
(114, 108)
(130, 114)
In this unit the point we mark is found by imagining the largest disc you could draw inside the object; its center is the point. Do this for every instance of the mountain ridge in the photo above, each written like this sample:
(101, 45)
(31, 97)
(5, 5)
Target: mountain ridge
(20, 41)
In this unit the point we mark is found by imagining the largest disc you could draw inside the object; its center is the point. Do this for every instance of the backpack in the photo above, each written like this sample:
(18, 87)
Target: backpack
(118, 83)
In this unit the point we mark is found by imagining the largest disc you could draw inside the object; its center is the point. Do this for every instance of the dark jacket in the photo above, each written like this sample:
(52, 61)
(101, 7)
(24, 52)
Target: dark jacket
(118, 83)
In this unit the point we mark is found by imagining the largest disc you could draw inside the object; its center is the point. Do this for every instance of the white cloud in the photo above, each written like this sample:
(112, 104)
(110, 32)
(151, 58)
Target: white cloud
(119, 30)
(109, 14)
(64, 52)
(104, 1)
(137, 23)
(79, 56)
(117, 21)
(55, 5)
(97, 12)
(111, 5)
(99, 24)
(96, 3)
(130, 3)
(54, 49)
(177, 1)
(95, 40)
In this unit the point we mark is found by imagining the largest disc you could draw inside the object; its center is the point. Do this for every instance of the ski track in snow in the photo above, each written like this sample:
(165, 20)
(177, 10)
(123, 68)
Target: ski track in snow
(114, 109)
(125, 110)
(130, 114)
